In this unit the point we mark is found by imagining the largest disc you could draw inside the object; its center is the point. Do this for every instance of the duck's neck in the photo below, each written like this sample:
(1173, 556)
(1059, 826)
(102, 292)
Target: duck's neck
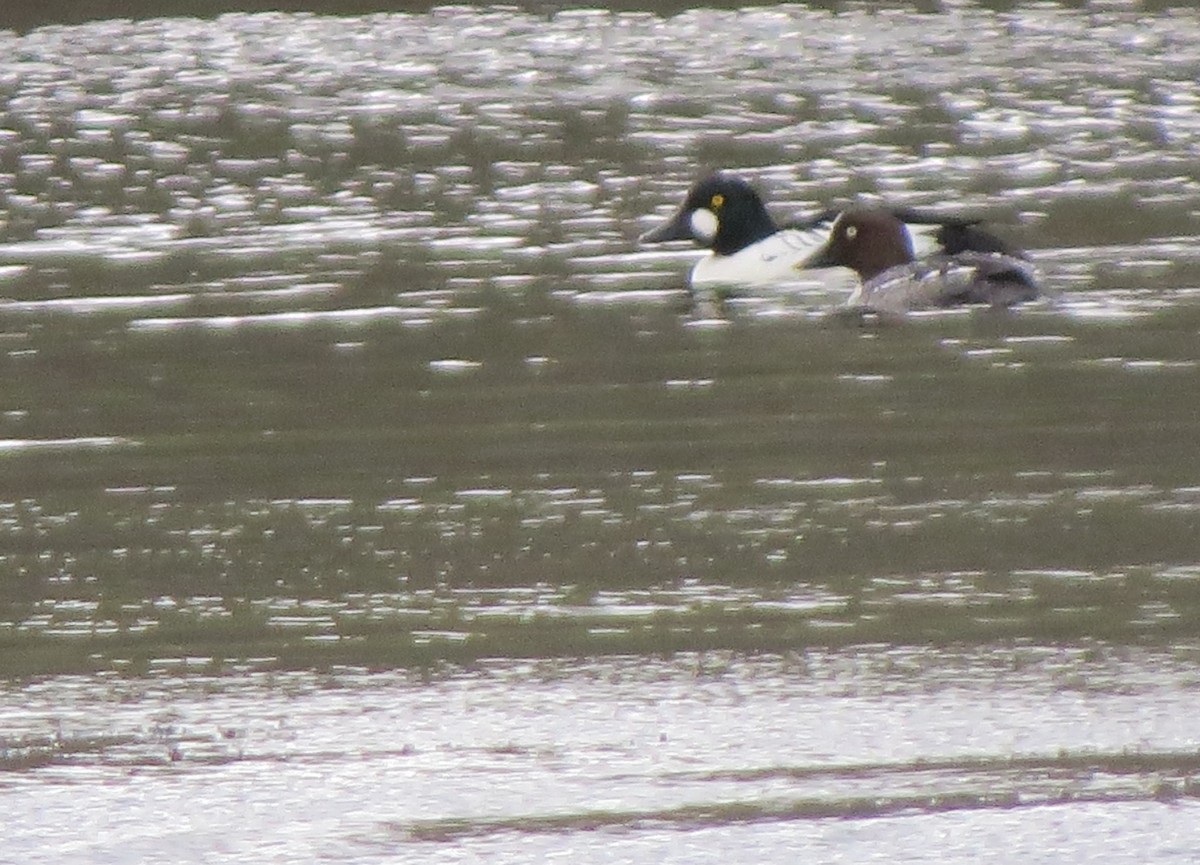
(894, 249)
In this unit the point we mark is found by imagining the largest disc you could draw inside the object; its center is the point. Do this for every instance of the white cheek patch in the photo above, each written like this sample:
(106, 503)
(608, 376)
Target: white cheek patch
(704, 224)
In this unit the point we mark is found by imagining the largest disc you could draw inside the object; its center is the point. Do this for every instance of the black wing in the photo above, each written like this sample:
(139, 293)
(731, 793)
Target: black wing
(955, 234)
(824, 219)
(959, 234)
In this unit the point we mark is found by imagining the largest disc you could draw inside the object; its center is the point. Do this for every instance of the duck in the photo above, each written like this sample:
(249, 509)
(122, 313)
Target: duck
(746, 247)
(875, 243)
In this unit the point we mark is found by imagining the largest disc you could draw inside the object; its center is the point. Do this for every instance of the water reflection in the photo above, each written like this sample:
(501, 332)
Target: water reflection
(358, 463)
(583, 754)
(649, 562)
(463, 160)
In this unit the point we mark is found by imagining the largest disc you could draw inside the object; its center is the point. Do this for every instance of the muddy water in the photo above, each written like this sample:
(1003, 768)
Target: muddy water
(368, 494)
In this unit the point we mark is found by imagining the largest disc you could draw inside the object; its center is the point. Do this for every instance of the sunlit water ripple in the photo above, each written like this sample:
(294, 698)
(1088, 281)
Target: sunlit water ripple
(370, 494)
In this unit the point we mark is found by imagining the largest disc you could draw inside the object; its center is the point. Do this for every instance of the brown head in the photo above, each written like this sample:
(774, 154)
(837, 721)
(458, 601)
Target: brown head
(867, 240)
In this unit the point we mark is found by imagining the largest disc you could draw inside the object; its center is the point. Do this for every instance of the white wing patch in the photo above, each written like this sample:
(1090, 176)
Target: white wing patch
(923, 240)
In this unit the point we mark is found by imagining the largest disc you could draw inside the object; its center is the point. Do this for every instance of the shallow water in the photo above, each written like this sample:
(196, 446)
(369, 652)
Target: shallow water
(368, 494)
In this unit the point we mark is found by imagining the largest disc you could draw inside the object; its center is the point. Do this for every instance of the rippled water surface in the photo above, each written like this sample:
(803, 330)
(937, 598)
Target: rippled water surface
(369, 495)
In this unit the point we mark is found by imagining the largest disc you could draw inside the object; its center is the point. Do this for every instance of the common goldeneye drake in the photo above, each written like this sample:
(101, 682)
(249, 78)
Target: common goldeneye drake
(875, 244)
(746, 247)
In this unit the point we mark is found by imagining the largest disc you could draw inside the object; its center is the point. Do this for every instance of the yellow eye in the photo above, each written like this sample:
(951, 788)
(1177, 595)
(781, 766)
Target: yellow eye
(717, 201)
